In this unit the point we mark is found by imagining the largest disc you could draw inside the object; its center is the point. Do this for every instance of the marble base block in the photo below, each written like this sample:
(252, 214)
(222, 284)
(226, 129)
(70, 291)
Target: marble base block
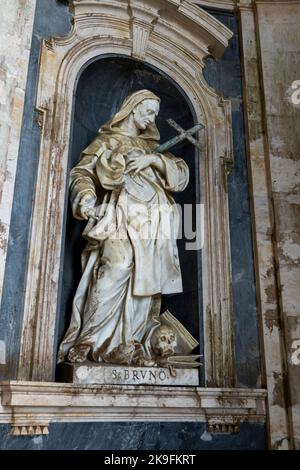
(108, 374)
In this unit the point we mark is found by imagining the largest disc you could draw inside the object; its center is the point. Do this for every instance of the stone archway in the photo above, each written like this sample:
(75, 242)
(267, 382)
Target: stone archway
(173, 37)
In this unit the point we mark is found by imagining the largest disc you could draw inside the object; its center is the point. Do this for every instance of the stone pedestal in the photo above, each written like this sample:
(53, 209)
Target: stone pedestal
(108, 374)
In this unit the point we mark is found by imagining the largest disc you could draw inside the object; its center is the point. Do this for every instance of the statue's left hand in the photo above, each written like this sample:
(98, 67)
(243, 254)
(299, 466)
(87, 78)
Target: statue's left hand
(138, 161)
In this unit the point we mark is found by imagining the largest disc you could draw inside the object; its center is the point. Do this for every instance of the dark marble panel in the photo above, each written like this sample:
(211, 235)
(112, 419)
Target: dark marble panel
(136, 436)
(226, 77)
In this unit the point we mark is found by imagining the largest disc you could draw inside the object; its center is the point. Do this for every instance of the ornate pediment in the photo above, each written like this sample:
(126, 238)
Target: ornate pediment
(180, 21)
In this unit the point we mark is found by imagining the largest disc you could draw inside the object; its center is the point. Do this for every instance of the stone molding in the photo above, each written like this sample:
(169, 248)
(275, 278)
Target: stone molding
(31, 406)
(179, 37)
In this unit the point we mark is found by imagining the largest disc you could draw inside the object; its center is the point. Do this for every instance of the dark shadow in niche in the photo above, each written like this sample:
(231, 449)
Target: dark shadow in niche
(101, 88)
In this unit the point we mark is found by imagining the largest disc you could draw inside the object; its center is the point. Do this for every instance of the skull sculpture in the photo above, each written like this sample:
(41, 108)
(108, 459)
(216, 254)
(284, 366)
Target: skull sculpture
(164, 341)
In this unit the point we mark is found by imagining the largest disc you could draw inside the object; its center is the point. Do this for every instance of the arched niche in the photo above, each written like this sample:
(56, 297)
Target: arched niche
(101, 88)
(173, 37)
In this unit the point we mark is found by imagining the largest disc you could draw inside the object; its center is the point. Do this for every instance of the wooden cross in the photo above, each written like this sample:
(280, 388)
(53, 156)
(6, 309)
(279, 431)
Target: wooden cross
(183, 134)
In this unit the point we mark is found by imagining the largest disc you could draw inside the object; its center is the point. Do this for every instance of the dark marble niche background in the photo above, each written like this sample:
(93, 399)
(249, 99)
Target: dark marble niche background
(225, 76)
(101, 89)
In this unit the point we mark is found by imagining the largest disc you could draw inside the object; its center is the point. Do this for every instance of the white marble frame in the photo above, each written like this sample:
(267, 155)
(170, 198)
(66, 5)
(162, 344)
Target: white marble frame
(175, 41)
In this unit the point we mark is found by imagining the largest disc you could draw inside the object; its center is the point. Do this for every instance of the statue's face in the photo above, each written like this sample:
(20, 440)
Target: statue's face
(145, 113)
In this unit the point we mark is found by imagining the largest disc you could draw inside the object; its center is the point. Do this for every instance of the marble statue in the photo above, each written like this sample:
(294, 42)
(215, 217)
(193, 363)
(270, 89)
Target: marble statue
(123, 189)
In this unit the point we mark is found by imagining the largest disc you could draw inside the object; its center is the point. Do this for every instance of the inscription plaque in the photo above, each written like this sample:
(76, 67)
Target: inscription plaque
(108, 374)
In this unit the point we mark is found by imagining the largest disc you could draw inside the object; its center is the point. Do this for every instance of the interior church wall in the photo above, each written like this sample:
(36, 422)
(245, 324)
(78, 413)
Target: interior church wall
(225, 76)
(278, 47)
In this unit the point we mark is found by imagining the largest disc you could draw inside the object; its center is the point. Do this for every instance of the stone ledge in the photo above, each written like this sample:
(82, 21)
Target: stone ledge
(36, 404)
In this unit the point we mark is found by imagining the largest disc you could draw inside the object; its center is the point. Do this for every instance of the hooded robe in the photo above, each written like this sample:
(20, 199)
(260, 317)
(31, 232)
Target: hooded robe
(131, 257)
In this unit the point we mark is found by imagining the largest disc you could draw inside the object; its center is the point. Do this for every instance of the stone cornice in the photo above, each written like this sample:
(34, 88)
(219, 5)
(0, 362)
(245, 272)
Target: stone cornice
(31, 406)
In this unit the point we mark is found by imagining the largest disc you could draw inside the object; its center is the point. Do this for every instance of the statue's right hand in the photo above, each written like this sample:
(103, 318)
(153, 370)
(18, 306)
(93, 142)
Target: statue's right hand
(86, 206)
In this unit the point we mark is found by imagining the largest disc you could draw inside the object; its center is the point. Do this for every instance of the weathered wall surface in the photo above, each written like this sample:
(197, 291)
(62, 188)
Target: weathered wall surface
(279, 38)
(15, 40)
